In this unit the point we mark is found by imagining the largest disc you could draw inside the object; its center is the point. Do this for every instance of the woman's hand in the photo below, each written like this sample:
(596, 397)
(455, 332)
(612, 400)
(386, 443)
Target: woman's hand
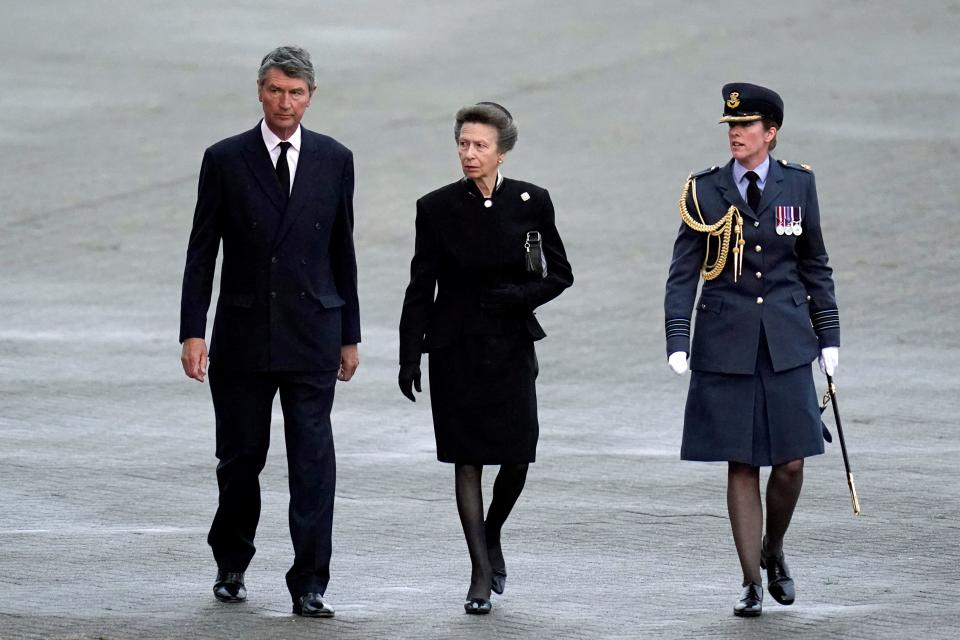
(409, 379)
(502, 297)
(829, 360)
(678, 362)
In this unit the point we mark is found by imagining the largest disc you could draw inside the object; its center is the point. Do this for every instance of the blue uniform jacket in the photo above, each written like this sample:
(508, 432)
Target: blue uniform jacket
(288, 283)
(786, 286)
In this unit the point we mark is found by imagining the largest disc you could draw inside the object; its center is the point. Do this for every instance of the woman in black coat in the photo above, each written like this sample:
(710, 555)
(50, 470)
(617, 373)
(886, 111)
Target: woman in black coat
(766, 311)
(489, 248)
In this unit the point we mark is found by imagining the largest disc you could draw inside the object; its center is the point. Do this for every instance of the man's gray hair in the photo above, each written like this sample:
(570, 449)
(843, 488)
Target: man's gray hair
(292, 61)
(492, 114)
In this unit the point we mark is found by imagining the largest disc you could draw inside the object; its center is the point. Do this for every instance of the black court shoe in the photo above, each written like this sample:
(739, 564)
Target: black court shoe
(477, 606)
(229, 587)
(779, 583)
(311, 605)
(499, 581)
(750, 603)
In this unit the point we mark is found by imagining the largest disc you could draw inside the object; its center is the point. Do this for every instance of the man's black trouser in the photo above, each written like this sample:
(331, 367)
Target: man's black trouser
(242, 402)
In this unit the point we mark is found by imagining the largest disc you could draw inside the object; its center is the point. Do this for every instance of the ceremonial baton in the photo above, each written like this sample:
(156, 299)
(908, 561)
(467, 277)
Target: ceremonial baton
(831, 397)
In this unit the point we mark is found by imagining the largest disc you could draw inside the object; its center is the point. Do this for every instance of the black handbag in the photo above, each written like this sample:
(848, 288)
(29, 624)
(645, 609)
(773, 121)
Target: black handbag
(536, 260)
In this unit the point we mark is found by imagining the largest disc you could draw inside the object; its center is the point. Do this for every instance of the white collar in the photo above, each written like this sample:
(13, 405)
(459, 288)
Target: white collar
(272, 140)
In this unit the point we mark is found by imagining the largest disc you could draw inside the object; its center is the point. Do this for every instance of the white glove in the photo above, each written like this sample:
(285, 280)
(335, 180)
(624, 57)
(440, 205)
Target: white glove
(678, 362)
(829, 360)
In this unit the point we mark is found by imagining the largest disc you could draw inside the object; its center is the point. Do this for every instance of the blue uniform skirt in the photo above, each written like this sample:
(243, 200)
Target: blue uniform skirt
(763, 419)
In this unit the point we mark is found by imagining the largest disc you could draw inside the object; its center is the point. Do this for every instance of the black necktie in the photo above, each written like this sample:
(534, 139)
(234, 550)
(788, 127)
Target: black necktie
(283, 170)
(753, 191)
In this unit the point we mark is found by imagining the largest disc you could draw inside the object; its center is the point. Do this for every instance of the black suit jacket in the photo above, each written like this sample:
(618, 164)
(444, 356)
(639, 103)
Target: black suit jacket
(786, 288)
(463, 249)
(288, 283)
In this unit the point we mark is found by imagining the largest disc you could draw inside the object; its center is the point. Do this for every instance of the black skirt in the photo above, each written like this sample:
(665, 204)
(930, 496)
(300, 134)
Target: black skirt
(484, 400)
(765, 419)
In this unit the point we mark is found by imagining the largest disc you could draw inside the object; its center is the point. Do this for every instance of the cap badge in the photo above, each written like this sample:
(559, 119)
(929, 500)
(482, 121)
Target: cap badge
(734, 100)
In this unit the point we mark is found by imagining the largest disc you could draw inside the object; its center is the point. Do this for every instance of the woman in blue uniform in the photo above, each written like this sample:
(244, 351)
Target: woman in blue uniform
(488, 247)
(767, 309)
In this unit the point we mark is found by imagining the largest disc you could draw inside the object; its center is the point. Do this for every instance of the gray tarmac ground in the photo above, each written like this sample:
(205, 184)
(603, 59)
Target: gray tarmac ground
(106, 450)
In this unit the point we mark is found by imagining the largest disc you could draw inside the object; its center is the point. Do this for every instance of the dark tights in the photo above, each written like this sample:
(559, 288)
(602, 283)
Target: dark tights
(746, 510)
(483, 536)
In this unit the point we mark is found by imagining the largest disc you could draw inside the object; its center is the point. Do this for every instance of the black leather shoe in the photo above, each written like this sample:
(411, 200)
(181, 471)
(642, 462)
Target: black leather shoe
(229, 587)
(750, 603)
(311, 605)
(477, 606)
(779, 583)
(499, 581)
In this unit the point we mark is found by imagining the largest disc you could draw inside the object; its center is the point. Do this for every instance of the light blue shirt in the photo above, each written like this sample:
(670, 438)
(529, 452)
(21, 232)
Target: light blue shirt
(740, 171)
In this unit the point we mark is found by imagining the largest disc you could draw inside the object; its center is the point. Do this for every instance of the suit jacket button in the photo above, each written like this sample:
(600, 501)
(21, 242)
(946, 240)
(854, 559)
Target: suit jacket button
(759, 300)
(758, 248)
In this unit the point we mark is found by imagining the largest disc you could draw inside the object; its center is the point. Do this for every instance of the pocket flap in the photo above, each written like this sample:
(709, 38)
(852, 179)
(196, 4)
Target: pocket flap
(710, 304)
(800, 297)
(331, 301)
(244, 300)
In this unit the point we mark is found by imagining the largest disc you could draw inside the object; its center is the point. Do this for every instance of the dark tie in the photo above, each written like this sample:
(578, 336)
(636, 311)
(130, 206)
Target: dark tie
(283, 170)
(753, 191)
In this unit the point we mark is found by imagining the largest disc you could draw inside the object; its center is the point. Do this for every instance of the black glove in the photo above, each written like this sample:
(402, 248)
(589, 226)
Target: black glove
(409, 379)
(503, 297)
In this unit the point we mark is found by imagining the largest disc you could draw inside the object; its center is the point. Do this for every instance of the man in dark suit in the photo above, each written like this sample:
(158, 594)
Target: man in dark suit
(280, 198)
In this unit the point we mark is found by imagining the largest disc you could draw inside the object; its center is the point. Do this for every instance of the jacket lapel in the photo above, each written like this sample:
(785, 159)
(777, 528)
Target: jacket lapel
(773, 188)
(304, 183)
(728, 189)
(257, 157)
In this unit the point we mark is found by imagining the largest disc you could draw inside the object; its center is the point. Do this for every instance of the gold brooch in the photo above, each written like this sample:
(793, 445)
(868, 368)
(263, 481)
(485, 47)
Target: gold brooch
(734, 100)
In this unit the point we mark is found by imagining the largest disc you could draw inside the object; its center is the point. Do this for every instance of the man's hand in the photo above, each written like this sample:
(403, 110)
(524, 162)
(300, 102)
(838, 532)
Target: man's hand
(829, 360)
(409, 380)
(193, 357)
(349, 361)
(678, 362)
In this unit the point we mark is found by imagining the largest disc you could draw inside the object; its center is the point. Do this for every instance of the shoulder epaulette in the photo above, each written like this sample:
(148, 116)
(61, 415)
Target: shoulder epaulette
(797, 165)
(704, 172)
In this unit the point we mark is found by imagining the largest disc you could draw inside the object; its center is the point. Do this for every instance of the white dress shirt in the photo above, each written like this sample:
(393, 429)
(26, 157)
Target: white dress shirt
(273, 146)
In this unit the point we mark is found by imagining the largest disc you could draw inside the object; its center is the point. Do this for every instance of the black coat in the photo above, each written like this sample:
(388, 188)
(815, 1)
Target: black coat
(288, 284)
(786, 285)
(463, 249)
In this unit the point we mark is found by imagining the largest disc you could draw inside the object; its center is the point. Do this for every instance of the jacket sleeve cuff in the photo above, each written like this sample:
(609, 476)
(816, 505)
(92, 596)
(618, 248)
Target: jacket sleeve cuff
(826, 324)
(678, 335)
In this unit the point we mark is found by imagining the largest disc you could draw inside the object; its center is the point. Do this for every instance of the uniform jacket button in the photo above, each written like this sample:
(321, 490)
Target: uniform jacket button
(303, 261)
(756, 223)
(758, 248)
(759, 275)
(759, 300)
(302, 295)
(254, 225)
(273, 259)
(273, 294)
(316, 226)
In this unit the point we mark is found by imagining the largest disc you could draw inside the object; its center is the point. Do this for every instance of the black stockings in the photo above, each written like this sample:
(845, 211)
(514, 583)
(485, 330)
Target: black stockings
(483, 537)
(746, 510)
